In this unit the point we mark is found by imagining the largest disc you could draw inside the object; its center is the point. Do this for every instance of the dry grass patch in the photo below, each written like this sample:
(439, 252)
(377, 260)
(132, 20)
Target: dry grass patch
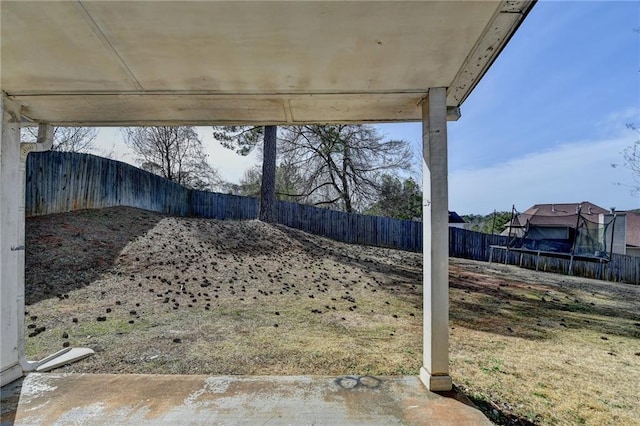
(553, 349)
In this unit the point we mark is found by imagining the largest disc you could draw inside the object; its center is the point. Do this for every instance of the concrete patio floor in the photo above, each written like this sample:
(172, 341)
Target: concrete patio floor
(125, 399)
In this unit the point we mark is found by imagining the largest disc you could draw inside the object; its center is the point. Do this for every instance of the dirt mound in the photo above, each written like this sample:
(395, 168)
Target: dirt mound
(156, 294)
(70, 250)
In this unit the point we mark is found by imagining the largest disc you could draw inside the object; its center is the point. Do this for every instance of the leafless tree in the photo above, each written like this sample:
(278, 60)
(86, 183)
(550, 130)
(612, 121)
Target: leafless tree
(249, 185)
(175, 153)
(342, 165)
(288, 181)
(68, 139)
(632, 159)
(631, 155)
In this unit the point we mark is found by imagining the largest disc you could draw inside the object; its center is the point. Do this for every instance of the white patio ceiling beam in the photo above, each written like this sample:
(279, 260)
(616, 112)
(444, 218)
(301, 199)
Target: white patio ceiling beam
(147, 63)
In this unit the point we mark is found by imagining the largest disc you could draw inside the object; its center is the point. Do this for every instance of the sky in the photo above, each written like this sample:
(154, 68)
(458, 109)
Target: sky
(545, 123)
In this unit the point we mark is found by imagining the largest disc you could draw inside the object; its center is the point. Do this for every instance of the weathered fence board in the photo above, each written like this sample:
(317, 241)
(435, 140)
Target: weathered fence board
(472, 245)
(60, 182)
(477, 246)
(223, 206)
(351, 227)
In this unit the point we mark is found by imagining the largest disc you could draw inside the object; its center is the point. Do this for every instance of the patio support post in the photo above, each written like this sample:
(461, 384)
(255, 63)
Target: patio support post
(435, 219)
(11, 246)
(43, 143)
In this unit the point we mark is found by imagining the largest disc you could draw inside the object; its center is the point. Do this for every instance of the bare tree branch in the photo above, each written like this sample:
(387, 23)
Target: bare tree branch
(342, 165)
(175, 153)
(67, 139)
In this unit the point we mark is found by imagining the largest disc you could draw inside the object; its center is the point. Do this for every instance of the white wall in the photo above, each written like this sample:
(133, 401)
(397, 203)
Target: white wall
(11, 249)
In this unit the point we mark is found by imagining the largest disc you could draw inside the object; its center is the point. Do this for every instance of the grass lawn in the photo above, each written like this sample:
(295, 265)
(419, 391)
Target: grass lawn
(153, 294)
(551, 348)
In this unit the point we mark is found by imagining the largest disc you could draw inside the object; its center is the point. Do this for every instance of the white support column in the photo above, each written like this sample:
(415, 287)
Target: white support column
(435, 221)
(11, 247)
(44, 143)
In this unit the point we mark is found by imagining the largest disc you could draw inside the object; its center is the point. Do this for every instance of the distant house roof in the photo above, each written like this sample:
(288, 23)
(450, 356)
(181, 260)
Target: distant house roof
(633, 229)
(560, 215)
(455, 218)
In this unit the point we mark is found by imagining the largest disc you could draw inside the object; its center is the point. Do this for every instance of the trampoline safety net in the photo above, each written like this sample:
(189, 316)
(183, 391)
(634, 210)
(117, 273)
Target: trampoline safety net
(587, 236)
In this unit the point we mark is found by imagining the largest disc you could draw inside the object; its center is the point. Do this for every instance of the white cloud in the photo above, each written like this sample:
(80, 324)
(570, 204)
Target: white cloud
(570, 173)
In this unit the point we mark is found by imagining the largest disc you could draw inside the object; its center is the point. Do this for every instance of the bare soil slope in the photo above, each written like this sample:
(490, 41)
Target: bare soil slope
(158, 294)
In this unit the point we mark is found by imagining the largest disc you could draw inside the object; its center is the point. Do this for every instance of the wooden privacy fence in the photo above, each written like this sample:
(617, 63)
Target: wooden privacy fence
(222, 206)
(477, 246)
(473, 245)
(59, 182)
(352, 227)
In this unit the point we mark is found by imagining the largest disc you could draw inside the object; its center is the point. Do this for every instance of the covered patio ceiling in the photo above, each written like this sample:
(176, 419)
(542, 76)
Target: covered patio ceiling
(137, 62)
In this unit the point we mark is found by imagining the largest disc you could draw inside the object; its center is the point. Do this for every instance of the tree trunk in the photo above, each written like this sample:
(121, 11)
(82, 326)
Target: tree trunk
(268, 188)
(345, 182)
